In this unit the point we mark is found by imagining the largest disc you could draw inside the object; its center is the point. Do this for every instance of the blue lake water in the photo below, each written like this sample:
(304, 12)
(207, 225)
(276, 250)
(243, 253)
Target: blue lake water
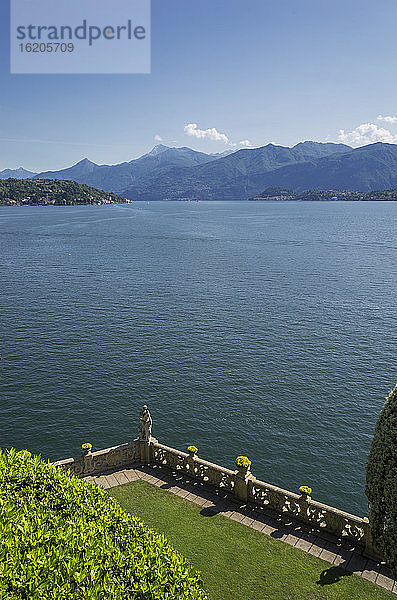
(263, 329)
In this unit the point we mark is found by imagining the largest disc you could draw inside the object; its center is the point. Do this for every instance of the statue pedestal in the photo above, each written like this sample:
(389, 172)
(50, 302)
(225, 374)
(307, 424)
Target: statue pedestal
(242, 478)
(87, 462)
(144, 450)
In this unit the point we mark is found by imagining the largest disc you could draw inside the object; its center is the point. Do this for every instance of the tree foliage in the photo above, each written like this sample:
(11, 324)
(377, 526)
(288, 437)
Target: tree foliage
(62, 538)
(52, 191)
(381, 482)
(327, 195)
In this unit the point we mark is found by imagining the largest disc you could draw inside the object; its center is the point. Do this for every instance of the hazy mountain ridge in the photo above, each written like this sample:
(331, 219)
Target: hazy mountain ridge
(365, 169)
(168, 171)
(174, 173)
(371, 167)
(19, 173)
(229, 177)
(119, 177)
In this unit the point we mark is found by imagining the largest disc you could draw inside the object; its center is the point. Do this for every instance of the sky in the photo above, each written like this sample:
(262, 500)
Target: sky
(225, 74)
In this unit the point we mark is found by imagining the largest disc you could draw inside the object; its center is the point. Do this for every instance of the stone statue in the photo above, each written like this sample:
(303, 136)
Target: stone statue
(145, 426)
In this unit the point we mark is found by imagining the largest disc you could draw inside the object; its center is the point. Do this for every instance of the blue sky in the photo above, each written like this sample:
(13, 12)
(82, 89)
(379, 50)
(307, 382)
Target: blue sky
(225, 71)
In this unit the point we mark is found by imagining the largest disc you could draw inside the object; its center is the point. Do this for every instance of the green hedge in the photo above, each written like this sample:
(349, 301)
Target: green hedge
(381, 482)
(62, 538)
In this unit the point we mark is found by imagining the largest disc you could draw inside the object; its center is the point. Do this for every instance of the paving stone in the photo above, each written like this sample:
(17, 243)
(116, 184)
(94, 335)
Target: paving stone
(192, 498)
(131, 474)
(112, 481)
(247, 521)
(329, 552)
(100, 480)
(257, 525)
(103, 482)
(339, 561)
(303, 544)
(201, 501)
(371, 571)
(328, 537)
(291, 539)
(280, 534)
(160, 482)
(317, 547)
(384, 570)
(237, 516)
(226, 513)
(385, 582)
(173, 489)
(270, 527)
(89, 479)
(308, 536)
(344, 555)
(223, 506)
(156, 481)
(150, 479)
(356, 564)
(120, 477)
(97, 481)
(182, 493)
(385, 578)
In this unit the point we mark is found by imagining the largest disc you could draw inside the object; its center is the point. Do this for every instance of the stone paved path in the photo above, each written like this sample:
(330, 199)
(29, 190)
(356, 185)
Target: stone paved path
(339, 553)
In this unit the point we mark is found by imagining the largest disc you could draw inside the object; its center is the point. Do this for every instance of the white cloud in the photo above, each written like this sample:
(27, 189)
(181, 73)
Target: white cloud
(209, 134)
(158, 138)
(367, 133)
(245, 143)
(387, 119)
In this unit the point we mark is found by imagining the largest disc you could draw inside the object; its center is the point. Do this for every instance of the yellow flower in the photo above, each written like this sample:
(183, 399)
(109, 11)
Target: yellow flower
(192, 449)
(243, 461)
(86, 446)
(25, 453)
(305, 489)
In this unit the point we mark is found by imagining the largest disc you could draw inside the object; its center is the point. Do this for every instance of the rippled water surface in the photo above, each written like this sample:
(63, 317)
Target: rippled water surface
(249, 328)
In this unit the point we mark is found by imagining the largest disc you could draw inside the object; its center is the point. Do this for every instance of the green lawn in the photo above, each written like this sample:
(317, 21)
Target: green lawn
(238, 563)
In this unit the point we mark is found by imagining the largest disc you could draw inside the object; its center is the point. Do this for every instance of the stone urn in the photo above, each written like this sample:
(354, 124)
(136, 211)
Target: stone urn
(190, 460)
(192, 451)
(305, 492)
(243, 465)
(86, 449)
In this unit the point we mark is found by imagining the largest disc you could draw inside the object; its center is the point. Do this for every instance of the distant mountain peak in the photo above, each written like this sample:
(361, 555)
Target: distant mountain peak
(159, 149)
(222, 154)
(313, 144)
(307, 143)
(19, 173)
(85, 162)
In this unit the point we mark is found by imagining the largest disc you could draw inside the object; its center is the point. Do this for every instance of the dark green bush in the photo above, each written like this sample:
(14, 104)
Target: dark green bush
(381, 484)
(62, 539)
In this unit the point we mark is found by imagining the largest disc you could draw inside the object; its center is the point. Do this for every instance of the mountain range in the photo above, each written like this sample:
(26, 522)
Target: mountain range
(19, 173)
(175, 173)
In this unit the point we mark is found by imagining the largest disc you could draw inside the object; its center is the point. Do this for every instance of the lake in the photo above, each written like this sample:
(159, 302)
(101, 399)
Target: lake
(264, 329)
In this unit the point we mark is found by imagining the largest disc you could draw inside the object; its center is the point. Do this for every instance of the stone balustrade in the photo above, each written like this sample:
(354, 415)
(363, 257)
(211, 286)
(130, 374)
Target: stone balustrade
(304, 508)
(240, 483)
(93, 463)
(193, 466)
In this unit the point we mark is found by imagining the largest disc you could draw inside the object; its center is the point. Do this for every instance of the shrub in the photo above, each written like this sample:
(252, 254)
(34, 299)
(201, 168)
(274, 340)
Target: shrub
(62, 538)
(381, 482)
